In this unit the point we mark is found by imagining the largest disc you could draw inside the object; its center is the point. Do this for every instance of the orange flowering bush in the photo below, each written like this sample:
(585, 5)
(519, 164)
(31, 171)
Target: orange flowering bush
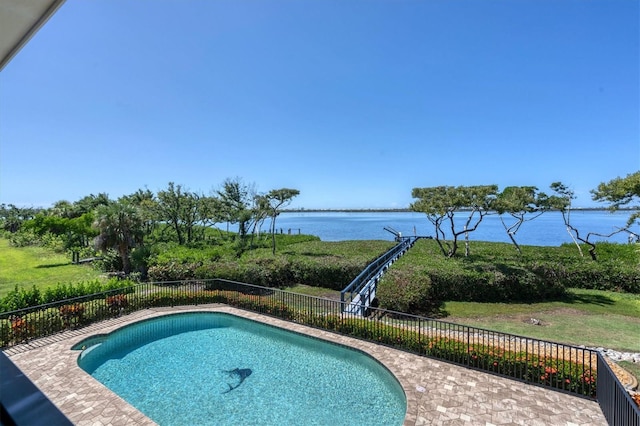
(553, 372)
(117, 303)
(20, 329)
(71, 314)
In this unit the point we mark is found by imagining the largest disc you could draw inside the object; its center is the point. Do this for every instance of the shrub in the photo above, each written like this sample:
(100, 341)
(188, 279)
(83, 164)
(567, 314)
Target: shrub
(547, 371)
(24, 238)
(495, 273)
(71, 314)
(173, 271)
(20, 298)
(117, 303)
(400, 292)
(329, 272)
(609, 275)
(21, 329)
(420, 289)
(186, 255)
(223, 269)
(110, 261)
(267, 272)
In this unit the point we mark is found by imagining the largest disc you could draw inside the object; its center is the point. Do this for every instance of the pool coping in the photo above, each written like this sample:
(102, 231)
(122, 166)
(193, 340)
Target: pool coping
(437, 392)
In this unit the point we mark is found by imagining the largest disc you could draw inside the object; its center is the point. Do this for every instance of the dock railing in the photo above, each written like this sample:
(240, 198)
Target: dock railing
(358, 295)
(566, 368)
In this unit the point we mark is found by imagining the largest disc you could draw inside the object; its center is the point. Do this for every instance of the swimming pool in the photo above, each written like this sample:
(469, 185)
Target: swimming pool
(216, 368)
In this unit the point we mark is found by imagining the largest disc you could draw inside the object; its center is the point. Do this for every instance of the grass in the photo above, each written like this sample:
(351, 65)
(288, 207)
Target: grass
(587, 317)
(591, 302)
(360, 251)
(308, 290)
(631, 367)
(39, 266)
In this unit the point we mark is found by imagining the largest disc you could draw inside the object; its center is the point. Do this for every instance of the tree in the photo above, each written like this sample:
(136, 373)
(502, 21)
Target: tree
(441, 203)
(620, 192)
(179, 209)
(277, 199)
(211, 211)
(237, 199)
(88, 204)
(518, 202)
(120, 227)
(562, 201)
(147, 204)
(61, 208)
(12, 217)
(73, 233)
(259, 213)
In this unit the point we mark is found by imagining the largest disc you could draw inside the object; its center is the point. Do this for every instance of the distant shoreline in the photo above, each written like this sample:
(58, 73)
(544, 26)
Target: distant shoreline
(406, 210)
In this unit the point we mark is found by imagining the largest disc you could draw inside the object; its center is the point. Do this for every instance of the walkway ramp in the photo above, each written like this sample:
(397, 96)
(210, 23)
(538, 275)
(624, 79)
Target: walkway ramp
(357, 297)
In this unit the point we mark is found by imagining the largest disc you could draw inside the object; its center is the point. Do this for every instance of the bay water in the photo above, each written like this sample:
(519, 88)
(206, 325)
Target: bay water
(545, 230)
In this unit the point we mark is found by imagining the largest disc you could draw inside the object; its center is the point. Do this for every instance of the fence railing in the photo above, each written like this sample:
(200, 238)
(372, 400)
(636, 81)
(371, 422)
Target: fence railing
(616, 403)
(566, 368)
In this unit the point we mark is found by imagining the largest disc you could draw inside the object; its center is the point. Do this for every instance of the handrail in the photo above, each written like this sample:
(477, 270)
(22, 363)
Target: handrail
(373, 268)
(617, 405)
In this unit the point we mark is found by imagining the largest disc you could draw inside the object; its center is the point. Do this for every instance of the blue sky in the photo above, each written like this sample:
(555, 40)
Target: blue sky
(352, 102)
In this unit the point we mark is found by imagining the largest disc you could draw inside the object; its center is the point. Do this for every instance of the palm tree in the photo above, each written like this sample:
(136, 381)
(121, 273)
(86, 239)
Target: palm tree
(120, 227)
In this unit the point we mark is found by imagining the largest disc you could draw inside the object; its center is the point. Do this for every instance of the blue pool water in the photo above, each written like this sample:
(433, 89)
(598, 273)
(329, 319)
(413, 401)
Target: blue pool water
(219, 369)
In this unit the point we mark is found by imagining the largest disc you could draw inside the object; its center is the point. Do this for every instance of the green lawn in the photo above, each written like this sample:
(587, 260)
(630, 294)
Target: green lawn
(28, 266)
(587, 317)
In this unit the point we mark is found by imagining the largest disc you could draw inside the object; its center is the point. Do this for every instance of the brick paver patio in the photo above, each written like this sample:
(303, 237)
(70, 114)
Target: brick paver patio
(437, 393)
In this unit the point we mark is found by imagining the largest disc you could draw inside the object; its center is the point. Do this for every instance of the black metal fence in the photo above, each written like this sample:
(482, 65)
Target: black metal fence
(566, 368)
(614, 400)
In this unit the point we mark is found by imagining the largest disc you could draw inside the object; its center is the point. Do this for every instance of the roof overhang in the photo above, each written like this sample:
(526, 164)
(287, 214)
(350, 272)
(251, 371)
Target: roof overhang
(19, 21)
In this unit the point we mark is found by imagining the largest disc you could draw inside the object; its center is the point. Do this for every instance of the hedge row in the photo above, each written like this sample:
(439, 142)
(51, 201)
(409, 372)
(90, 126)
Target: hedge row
(20, 298)
(419, 291)
(267, 272)
(309, 261)
(422, 279)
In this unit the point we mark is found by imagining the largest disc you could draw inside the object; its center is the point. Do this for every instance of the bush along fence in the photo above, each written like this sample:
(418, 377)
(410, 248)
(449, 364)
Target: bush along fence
(566, 368)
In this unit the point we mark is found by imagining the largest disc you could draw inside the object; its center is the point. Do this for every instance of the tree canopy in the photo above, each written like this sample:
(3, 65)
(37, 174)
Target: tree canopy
(620, 192)
(562, 201)
(441, 203)
(522, 203)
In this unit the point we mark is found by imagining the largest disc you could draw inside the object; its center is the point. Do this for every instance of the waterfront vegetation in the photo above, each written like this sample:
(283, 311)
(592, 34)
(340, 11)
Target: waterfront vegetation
(606, 316)
(495, 272)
